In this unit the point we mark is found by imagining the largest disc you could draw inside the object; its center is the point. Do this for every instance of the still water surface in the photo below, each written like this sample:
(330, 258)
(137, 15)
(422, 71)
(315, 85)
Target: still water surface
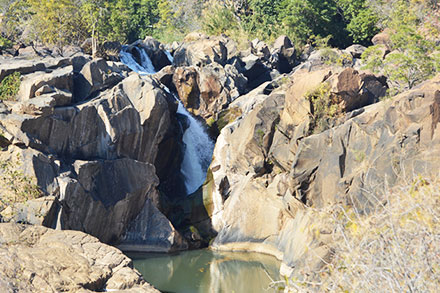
(207, 271)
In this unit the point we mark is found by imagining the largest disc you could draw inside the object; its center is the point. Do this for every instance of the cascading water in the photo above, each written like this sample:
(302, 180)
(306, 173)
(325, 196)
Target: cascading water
(198, 152)
(146, 66)
(199, 147)
(169, 56)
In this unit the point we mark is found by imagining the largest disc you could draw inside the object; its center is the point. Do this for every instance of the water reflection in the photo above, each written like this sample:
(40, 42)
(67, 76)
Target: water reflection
(207, 271)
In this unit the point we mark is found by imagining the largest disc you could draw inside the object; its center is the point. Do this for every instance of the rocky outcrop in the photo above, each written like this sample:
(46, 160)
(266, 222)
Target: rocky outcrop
(37, 259)
(87, 145)
(270, 166)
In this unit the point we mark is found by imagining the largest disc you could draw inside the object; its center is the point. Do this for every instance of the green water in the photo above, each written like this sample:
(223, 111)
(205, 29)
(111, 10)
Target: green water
(209, 272)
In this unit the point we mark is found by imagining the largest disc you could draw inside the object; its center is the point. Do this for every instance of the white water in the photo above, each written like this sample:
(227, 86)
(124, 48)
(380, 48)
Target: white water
(199, 147)
(169, 56)
(146, 66)
(198, 153)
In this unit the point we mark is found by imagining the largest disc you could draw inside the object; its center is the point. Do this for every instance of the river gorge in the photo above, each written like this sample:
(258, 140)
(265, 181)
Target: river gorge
(212, 167)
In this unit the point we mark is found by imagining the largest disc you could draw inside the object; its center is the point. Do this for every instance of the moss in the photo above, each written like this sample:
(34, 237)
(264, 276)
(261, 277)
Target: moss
(9, 86)
(260, 136)
(228, 116)
(224, 118)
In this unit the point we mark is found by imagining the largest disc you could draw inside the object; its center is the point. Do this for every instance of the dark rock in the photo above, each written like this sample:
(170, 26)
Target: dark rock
(156, 52)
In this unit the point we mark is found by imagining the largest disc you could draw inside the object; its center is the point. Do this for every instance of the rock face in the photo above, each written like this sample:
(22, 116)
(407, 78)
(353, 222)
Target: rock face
(87, 138)
(269, 167)
(37, 259)
(86, 145)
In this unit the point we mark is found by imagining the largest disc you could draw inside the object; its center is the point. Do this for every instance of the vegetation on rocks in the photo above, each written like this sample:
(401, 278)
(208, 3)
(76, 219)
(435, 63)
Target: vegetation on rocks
(10, 86)
(17, 187)
(413, 36)
(325, 107)
(393, 249)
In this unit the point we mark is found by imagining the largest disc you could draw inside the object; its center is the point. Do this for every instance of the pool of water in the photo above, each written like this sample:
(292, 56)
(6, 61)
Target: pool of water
(208, 271)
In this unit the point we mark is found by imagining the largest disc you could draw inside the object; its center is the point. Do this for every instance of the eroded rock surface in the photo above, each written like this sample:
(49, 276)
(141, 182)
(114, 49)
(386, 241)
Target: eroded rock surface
(38, 259)
(270, 167)
(82, 142)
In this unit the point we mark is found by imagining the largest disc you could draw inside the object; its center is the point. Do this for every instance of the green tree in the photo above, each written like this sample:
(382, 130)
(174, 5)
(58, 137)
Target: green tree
(304, 18)
(413, 57)
(55, 22)
(344, 21)
(261, 18)
(219, 19)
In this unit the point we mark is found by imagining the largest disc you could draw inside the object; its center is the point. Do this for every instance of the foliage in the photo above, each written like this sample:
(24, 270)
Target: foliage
(219, 19)
(324, 108)
(177, 18)
(55, 22)
(412, 58)
(16, 186)
(332, 57)
(71, 21)
(5, 43)
(10, 86)
(261, 19)
(343, 20)
(393, 249)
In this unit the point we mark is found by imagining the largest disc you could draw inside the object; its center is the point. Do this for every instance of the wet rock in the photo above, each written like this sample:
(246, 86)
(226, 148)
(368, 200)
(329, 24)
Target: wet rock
(156, 52)
(185, 80)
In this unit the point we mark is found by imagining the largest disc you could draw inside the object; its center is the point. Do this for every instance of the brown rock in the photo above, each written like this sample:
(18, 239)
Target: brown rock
(186, 82)
(36, 259)
(382, 38)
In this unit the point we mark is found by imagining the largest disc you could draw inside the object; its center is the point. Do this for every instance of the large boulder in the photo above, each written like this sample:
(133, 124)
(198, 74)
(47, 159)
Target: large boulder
(200, 51)
(208, 90)
(185, 81)
(156, 52)
(95, 76)
(283, 55)
(36, 259)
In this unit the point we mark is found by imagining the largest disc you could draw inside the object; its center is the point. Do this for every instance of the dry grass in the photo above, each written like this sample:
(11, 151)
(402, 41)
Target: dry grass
(16, 187)
(394, 249)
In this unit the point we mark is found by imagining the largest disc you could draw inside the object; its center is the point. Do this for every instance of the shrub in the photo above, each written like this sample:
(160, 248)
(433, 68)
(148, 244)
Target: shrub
(10, 86)
(16, 186)
(394, 249)
(219, 19)
(324, 108)
(413, 58)
(5, 43)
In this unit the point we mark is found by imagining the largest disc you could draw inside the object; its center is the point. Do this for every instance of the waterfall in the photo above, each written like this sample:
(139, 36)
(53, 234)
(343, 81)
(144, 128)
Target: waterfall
(146, 66)
(199, 147)
(169, 56)
(198, 152)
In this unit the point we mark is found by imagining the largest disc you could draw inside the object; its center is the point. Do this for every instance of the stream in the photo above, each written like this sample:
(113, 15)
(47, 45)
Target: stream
(208, 271)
